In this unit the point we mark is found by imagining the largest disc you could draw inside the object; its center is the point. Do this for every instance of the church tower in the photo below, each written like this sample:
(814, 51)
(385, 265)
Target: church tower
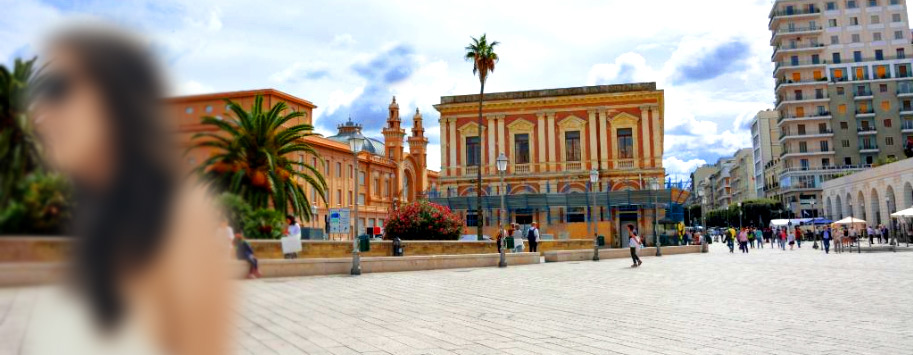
(418, 145)
(393, 142)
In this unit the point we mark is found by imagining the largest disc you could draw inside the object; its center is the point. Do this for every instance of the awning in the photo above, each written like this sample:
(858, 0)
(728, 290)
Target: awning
(902, 214)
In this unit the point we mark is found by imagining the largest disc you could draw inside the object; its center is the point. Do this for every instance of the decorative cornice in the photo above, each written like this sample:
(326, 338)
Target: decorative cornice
(601, 100)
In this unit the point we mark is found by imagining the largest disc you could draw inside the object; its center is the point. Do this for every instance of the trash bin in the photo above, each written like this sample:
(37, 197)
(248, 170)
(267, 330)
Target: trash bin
(600, 241)
(397, 247)
(364, 243)
(510, 243)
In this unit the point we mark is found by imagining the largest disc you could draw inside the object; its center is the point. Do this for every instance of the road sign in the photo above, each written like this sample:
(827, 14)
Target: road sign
(339, 220)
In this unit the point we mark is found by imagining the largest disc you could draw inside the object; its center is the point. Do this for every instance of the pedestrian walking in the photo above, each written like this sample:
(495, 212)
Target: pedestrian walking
(871, 234)
(517, 234)
(634, 243)
(759, 236)
(798, 235)
(782, 238)
(826, 240)
(792, 238)
(502, 233)
(743, 240)
(750, 237)
(730, 240)
(533, 237)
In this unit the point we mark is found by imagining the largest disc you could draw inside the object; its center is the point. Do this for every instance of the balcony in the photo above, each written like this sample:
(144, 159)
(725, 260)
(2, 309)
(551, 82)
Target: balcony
(907, 127)
(866, 131)
(573, 166)
(800, 99)
(521, 169)
(905, 91)
(472, 170)
(862, 94)
(788, 48)
(788, 154)
(784, 82)
(785, 13)
(868, 112)
(624, 164)
(786, 135)
(818, 116)
(798, 64)
(906, 111)
(793, 31)
(868, 148)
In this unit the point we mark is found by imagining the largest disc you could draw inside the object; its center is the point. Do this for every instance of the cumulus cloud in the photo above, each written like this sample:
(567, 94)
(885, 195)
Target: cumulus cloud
(627, 68)
(709, 60)
(680, 169)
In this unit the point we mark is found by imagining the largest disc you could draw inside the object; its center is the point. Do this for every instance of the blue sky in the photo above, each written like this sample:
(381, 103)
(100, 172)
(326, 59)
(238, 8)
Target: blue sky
(349, 57)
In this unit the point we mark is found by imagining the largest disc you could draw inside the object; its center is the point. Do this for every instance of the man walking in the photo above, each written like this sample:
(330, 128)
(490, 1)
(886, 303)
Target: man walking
(533, 237)
(759, 236)
(826, 240)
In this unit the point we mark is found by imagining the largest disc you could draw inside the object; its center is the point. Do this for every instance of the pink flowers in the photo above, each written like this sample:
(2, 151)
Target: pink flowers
(422, 220)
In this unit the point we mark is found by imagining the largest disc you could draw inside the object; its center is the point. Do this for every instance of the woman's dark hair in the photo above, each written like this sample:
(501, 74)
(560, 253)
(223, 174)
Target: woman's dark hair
(120, 227)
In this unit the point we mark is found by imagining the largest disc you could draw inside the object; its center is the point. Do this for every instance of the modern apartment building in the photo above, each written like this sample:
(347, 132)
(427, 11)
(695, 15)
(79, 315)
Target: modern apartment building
(844, 89)
(743, 176)
(765, 144)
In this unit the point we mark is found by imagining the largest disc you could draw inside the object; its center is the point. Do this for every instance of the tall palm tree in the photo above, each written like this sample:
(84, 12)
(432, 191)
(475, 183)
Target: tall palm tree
(483, 57)
(251, 157)
(19, 149)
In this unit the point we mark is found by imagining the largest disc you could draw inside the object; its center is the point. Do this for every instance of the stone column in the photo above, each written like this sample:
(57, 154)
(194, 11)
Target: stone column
(501, 137)
(603, 144)
(445, 164)
(551, 141)
(540, 142)
(591, 150)
(452, 142)
(645, 136)
(657, 136)
(489, 165)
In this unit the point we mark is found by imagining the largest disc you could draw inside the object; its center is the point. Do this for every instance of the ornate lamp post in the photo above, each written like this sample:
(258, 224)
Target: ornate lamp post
(594, 177)
(501, 163)
(356, 142)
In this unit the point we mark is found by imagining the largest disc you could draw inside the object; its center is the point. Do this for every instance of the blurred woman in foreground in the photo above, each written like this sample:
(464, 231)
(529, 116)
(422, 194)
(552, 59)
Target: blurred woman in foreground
(149, 265)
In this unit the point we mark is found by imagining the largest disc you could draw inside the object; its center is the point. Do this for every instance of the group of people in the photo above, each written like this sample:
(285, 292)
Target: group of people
(780, 237)
(514, 231)
(750, 237)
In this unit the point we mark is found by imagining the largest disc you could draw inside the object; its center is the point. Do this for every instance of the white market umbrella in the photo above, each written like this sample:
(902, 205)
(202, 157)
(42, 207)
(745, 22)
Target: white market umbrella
(850, 220)
(905, 213)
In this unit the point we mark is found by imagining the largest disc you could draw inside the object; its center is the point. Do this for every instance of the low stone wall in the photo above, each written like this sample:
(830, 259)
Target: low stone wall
(56, 249)
(342, 266)
(581, 255)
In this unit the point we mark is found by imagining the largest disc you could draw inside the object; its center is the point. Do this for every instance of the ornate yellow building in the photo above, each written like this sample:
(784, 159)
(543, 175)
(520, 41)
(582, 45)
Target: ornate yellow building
(553, 138)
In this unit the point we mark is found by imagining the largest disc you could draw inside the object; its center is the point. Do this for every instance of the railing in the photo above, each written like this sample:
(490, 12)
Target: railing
(798, 63)
(866, 129)
(866, 92)
(786, 81)
(784, 47)
(795, 30)
(787, 133)
(904, 90)
(786, 152)
(906, 125)
(868, 147)
(624, 164)
(521, 168)
(794, 12)
(573, 165)
(865, 111)
(816, 115)
(472, 170)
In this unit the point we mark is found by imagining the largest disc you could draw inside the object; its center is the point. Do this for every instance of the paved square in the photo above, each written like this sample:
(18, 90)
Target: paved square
(765, 302)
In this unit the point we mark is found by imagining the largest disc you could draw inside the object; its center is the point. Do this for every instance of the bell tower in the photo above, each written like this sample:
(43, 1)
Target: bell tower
(418, 145)
(394, 134)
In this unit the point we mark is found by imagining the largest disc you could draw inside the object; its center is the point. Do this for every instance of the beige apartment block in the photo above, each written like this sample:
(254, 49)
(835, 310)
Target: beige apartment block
(844, 89)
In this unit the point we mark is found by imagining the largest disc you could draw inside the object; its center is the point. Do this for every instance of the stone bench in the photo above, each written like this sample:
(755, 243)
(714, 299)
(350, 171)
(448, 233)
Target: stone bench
(582, 255)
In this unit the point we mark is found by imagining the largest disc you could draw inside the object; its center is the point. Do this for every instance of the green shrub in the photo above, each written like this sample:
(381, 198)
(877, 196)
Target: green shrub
(41, 204)
(264, 223)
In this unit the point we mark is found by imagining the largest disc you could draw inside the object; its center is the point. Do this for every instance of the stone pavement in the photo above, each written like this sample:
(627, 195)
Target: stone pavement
(765, 302)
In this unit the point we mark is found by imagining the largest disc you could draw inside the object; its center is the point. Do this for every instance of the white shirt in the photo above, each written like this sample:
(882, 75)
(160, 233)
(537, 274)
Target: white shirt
(632, 242)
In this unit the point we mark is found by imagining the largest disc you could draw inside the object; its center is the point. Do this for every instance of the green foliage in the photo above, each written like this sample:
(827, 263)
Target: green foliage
(40, 205)
(264, 223)
(19, 149)
(251, 157)
(483, 57)
(756, 213)
(261, 223)
(423, 220)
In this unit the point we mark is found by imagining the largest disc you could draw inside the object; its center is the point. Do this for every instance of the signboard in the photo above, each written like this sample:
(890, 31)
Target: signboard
(339, 220)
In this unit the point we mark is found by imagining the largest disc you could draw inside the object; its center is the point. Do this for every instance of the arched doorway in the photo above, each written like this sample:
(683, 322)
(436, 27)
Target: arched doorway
(875, 203)
(860, 205)
(839, 208)
(907, 196)
(408, 187)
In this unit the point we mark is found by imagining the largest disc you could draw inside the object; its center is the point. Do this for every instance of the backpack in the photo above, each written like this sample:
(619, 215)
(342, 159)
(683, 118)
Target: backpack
(531, 235)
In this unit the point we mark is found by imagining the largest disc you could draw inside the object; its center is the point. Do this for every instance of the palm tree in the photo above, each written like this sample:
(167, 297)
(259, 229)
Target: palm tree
(483, 57)
(250, 157)
(19, 149)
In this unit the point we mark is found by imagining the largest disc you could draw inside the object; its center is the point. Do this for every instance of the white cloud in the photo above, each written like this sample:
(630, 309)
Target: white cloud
(192, 87)
(343, 40)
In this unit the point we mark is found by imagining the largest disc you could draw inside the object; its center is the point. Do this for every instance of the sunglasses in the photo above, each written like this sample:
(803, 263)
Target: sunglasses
(52, 88)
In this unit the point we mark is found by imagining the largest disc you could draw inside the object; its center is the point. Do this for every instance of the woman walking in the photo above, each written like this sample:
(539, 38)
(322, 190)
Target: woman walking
(634, 243)
(792, 238)
(743, 240)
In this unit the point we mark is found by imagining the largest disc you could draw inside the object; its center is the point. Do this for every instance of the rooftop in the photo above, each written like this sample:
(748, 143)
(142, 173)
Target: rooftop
(533, 94)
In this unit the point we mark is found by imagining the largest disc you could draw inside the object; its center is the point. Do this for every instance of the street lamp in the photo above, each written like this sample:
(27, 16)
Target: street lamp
(654, 185)
(740, 217)
(501, 163)
(594, 177)
(814, 228)
(356, 142)
(314, 216)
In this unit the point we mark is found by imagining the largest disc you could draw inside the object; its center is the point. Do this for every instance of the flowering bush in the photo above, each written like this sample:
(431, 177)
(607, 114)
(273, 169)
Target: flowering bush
(422, 220)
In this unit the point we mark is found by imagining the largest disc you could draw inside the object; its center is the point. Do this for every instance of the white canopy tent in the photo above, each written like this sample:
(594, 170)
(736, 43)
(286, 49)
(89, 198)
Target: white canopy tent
(851, 220)
(903, 214)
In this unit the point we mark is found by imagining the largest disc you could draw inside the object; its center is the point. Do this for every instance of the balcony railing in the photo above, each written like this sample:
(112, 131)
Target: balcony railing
(858, 93)
(868, 111)
(573, 165)
(624, 164)
(521, 169)
(906, 125)
(798, 63)
(805, 152)
(794, 12)
(905, 90)
(787, 81)
(811, 116)
(472, 170)
(788, 134)
(866, 130)
(783, 31)
(870, 147)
